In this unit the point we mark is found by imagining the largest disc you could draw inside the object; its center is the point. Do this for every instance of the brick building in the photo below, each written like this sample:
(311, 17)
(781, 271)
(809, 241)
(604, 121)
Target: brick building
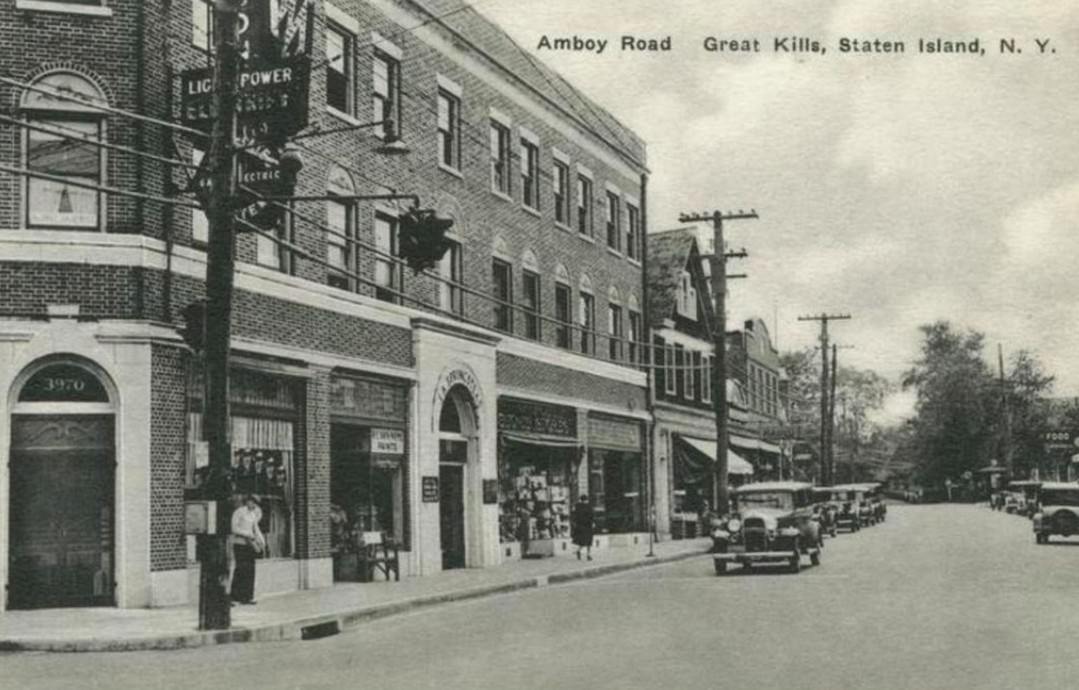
(754, 363)
(459, 411)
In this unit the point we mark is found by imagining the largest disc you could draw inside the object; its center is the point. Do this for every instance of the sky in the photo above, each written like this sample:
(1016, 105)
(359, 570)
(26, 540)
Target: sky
(898, 188)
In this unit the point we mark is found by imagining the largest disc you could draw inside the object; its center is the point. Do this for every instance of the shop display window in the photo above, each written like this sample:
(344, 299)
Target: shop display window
(537, 492)
(367, 487)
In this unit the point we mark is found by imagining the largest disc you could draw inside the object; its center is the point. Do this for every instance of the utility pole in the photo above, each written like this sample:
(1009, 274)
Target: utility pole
(1007, 413)
(214, 604)
(826, 409)
(831, 411)
(719, 256)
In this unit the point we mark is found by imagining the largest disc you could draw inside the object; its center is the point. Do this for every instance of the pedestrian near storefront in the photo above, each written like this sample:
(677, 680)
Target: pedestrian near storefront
(583, 526)
(524, 527)
(247, 543)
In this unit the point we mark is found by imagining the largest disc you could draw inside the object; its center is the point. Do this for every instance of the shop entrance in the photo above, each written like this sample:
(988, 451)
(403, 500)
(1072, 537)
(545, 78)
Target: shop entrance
(456, 429)
(62, 467)
(622, 496)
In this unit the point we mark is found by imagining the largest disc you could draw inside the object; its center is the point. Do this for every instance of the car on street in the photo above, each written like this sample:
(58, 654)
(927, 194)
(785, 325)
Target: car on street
(876, 501)
(855, 512)
(827, 510)
(1058, 512)
(1025, 492)
(770, 522)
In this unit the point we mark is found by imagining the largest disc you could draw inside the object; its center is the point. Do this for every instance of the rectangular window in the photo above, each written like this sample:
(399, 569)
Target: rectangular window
(200, 224)
(633, 231)
(532, 306)
(563, 312)
(706, 379)
(561, 193)
(659, 361)
(681, 386)
(502, 281)
(201, 24)
(616, 332)
(500, 158)
(634, 337)
(614, 221)
(387, 271)
(584, 205)
(449, 130)
(338, 247)
(53, 203)
(695, 379)
(339, 69)
(529, 174)
(386, 92)
(273, 254)
(450, 296)
(687, 297)
(587, 316)
(672, 382)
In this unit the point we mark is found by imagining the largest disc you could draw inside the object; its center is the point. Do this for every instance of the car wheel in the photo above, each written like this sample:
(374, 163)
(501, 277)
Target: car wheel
(721, 567)
(814, 557)
(796, 562)
(1041, 538)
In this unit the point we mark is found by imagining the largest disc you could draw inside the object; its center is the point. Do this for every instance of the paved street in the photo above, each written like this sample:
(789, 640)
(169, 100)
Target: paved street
(937, 597)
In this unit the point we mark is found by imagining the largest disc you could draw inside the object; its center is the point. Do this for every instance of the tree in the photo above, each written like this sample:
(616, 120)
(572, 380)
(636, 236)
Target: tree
(1027, 385)
(957, 403)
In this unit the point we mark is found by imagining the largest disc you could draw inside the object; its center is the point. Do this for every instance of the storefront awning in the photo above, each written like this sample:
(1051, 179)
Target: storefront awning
(754, 444)
(736, 464)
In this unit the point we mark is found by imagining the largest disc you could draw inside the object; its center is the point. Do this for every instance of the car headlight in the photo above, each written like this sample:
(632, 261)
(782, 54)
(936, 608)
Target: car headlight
(734, 524)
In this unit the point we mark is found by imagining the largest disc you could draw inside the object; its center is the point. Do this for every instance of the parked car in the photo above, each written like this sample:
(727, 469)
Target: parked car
(770, 522)
(1014, 502)
(1026, 492)
(827, 510)
(856, 511)
(1058, 512)
(876, 502)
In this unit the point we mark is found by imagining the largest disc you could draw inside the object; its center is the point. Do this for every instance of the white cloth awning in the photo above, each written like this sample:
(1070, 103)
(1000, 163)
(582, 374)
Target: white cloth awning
(735, 463)
(754, 444)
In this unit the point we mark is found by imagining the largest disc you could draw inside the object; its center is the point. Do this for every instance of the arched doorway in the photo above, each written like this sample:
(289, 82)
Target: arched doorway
(62, 507)
(456, 434)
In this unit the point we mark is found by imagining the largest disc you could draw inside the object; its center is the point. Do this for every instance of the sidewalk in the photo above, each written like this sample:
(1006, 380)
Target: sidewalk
(311, 613)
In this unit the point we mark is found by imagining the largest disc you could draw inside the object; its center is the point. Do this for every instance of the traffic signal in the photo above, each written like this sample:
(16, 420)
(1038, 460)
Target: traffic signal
(422, 238)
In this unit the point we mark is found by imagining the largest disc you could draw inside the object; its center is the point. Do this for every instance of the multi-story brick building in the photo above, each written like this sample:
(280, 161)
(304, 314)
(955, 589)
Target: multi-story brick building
(680, 327)
(457, 410)
(754, 363)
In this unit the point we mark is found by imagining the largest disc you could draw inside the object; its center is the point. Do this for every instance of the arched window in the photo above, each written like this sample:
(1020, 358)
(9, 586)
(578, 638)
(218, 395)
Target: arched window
(340, 224)
(586, 315)
(56, 148)
(531, 295)
(633, 311)
(616, 328)
(563, 307)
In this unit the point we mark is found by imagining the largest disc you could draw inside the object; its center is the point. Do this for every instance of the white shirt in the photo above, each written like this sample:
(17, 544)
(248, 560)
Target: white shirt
(245, 523)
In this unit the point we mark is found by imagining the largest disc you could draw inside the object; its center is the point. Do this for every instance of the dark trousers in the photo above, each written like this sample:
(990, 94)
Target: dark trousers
(243, 578)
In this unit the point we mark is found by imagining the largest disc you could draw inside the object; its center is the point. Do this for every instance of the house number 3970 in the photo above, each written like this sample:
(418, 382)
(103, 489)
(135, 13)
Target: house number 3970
(62, 385)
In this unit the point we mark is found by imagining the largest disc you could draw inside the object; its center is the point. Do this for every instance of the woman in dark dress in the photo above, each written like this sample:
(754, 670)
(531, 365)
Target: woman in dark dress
(583, 524)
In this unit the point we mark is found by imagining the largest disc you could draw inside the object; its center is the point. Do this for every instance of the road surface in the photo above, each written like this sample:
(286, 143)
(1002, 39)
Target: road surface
(936, 597)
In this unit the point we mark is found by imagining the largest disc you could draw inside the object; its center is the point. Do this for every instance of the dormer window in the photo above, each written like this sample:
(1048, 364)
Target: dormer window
(687, 297)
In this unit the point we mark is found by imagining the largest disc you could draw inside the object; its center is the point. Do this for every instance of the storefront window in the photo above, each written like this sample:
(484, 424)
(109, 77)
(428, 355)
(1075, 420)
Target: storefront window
(367, 482)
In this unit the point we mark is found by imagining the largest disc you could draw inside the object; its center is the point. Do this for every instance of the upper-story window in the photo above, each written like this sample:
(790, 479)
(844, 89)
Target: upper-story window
(450, 295)
(634, 333)
(706, 378)
(449, 129)
(584, 205)
(696, 371)
(633, 231)
(340, 228)
(529, 173)
(386, 90)
(500, 157)
(202, 15)
(616, 330)
(687, 296)
(530, 296)
(671, 383)
(586, 310)
(339, 47)
(56, 147)
(387, 271)
(614, 220)
(563, 308)
(684, 376)
(561, 192)
(274, 254)
(502, 283)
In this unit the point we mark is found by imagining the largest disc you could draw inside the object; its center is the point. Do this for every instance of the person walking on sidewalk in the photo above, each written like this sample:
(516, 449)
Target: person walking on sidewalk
(247, 543)
(583, 526)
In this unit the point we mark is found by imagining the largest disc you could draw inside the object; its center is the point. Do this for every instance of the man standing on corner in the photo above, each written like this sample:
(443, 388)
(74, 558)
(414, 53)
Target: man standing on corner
(583, 526)
(247, 542)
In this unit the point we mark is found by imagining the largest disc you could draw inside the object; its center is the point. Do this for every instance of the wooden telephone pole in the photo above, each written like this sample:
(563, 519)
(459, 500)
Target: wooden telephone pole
(827, 386)
(719, 277)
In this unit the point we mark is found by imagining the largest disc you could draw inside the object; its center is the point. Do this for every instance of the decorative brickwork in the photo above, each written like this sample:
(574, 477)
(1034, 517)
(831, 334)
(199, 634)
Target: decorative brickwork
(550, 378)
(168, 448)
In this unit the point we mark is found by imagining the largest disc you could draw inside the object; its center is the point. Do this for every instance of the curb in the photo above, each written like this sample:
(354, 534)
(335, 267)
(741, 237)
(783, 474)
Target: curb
(328, 624)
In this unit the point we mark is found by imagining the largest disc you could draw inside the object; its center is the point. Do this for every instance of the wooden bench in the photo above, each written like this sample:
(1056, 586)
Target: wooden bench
(376, 552)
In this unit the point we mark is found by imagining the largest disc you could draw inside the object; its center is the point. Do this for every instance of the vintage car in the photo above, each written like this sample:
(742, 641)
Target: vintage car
(827, 510)
(1014, 502)
(875, 498)
(855, 512)
(770, 522)
(1058, 512)
(1025, 493)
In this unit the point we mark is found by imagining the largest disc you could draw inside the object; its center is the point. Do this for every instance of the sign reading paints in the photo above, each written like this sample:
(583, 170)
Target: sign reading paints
(388, 441)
